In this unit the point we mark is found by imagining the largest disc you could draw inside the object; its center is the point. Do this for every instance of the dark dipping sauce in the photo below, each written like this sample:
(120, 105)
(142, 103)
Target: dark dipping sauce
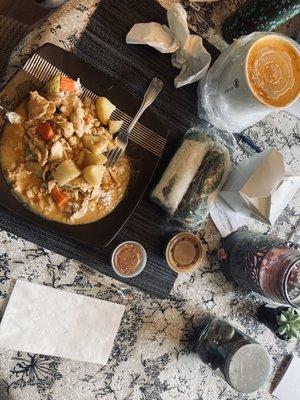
(128, 258)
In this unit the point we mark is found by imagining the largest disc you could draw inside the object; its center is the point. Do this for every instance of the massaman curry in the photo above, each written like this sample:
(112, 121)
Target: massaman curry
(55, 159)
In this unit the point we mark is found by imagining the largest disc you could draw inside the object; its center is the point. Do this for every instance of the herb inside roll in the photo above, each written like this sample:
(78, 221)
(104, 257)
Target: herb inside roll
(193, 178)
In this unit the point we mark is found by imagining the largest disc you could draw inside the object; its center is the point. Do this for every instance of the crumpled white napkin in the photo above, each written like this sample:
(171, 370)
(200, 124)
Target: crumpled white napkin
(189, 54)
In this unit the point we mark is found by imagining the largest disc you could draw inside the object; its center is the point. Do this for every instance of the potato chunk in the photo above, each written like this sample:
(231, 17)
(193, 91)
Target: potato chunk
(90, 140)
(94, 159)
(93, 174)
(104, 109)
(114, 126)
(66, 172)
(100, 146)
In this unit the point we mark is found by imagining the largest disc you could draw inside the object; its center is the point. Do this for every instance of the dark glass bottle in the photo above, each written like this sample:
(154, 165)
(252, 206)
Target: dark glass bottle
(232, 355)
(259, 15)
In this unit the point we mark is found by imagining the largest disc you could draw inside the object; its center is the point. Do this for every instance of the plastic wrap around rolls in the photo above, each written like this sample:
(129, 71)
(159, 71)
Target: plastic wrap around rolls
(193, 179)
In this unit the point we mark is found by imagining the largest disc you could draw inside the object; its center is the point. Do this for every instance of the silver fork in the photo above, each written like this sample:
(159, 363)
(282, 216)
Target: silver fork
(121, 140)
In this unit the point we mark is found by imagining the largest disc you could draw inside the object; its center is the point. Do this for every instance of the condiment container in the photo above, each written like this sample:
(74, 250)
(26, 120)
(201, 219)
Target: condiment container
(184, 252)
(238, 359)
(265, 265)
(129, 259)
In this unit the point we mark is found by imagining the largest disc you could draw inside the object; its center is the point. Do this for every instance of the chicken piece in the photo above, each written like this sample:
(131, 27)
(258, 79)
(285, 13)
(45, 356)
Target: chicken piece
(35, 168)
(37, 149)
(79, 183)
(82, 210)
(65, 144)
(68, 102)
(38, 106)
(96, 192)
(66, 128)
(77, 118)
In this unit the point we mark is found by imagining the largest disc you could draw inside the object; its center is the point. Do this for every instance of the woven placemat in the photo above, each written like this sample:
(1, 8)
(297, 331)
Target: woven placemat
(11, 32)
(103, 45)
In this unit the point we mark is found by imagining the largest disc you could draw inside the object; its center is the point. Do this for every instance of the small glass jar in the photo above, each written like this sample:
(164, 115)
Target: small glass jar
(232, 355)
(265, 265)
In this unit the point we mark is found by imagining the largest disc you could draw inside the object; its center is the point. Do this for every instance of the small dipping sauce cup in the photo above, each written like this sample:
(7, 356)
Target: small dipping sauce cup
(184, 252)
(129, 259)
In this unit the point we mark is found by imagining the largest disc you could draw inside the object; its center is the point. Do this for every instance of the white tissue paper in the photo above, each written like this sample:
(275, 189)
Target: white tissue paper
(43, 320)
(225, 219)
(189, 54)
(261, 187)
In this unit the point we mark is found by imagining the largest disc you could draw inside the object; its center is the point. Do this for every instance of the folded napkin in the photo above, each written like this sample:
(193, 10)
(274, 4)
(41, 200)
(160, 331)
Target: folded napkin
(40, 319)
(189, 54)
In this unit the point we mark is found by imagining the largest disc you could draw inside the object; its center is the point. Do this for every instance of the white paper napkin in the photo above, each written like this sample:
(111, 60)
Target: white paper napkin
(189, 54)
(225, 219)
(40, 319)
(289, 386)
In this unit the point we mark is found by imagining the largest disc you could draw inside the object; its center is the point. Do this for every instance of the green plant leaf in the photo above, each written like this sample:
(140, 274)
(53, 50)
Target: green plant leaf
(281, 318)
(293, 332)
(297, 324)
(290, 313)
(282, 322)
(295, 318)
(282, 329)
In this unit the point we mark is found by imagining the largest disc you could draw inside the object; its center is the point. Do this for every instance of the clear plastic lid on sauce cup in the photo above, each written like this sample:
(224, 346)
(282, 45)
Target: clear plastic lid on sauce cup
(184, 252)
(129, 259)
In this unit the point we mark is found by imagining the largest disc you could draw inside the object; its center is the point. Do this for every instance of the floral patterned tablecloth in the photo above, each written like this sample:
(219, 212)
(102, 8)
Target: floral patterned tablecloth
(152, 357)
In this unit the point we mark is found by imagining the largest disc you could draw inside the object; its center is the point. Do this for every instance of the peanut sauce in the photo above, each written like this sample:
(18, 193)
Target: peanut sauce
(128, 258)
(184, 252)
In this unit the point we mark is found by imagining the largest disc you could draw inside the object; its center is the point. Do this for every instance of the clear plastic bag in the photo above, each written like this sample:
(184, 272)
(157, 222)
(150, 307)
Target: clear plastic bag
(225, 93)
(193, 178)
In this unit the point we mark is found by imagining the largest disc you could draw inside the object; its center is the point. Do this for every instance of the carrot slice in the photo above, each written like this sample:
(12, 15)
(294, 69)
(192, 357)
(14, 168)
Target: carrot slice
(67, 84)
(44, 129)
(59, 197)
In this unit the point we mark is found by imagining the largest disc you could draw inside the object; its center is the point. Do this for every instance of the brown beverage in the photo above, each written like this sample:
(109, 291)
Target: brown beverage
(273, 71)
